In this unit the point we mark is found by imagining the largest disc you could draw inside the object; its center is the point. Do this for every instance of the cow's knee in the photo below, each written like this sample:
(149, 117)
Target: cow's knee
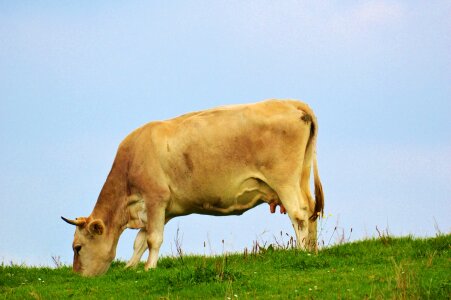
(154, 240)
(140, 240)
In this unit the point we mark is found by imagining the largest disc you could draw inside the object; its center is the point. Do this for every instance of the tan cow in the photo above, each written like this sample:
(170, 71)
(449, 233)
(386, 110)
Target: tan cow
(221, 161)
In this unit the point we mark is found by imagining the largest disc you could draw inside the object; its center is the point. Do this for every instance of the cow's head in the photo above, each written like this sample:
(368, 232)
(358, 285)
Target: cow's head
(94, 247)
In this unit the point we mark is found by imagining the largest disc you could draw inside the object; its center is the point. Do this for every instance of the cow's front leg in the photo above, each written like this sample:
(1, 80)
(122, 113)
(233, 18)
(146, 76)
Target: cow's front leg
(139, 247)
(154, 237)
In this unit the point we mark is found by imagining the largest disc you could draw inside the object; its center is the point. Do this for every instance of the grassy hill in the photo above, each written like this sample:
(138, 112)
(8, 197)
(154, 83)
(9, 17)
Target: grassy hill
(401, 268)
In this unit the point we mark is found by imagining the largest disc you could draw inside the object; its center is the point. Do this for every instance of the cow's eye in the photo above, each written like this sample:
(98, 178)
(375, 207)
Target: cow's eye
(77, 249)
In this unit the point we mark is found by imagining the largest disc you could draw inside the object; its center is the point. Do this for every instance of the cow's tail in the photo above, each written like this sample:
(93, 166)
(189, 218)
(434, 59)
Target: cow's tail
(309, 162)
(319, 195)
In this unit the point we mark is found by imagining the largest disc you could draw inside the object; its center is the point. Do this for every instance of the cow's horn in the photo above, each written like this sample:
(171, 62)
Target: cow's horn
(76, 222)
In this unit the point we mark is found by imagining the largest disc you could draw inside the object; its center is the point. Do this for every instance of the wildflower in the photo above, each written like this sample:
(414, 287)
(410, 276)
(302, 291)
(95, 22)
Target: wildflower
(236, 296)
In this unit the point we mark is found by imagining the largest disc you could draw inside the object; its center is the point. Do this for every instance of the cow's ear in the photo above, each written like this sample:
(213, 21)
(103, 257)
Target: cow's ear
(96, 227)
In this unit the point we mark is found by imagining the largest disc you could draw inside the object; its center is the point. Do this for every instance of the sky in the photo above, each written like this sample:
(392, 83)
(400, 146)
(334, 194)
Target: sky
(77, 77)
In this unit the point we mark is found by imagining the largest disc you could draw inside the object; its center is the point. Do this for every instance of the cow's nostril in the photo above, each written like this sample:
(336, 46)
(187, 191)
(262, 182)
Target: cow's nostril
(77, 249)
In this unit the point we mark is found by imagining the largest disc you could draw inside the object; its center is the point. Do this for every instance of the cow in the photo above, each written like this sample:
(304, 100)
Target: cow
(221, 161)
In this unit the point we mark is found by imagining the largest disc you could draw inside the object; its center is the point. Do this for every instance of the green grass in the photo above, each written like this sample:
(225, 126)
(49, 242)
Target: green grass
(384, 268)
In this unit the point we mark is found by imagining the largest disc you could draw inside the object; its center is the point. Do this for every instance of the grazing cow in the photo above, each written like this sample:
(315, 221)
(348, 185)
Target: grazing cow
(221, 161)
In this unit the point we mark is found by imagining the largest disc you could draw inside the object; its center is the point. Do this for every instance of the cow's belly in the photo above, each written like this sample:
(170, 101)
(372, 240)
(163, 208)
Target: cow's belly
(234, 201)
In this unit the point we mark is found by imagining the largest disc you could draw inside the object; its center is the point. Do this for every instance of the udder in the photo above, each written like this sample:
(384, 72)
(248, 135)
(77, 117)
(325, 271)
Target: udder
(250, 193)
(256, 188)
(274, 204)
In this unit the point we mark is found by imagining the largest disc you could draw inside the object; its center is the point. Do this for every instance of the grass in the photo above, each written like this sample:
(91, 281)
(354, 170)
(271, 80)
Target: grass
(383, 268)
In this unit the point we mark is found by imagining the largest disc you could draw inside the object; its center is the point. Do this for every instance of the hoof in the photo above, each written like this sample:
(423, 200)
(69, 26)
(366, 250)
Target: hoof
(130, 265)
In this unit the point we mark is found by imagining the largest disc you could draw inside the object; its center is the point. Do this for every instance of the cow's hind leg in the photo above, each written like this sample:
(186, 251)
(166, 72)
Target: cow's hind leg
(312, 241)
(297, 209)
(139, 247)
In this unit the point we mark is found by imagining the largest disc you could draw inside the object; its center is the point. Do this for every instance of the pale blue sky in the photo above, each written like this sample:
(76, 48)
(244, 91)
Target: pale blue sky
(77, 77)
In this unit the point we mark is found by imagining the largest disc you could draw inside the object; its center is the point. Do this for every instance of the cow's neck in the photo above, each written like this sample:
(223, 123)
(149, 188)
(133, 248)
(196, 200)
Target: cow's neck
(112, 202)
